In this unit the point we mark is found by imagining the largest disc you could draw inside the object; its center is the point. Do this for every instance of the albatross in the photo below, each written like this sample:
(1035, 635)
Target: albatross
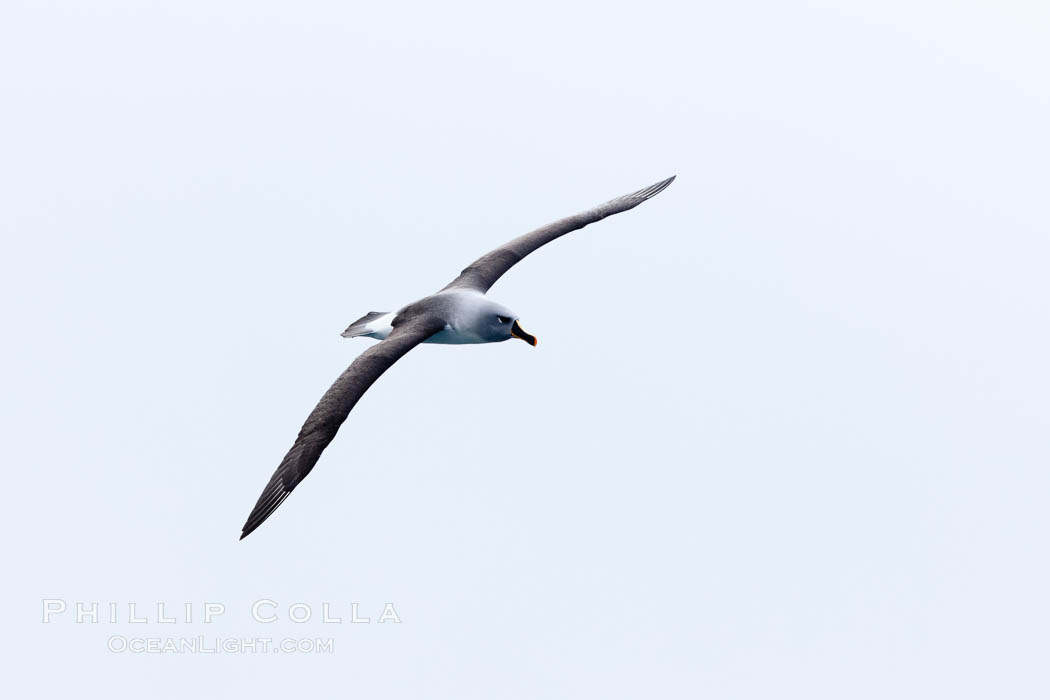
(458, 314)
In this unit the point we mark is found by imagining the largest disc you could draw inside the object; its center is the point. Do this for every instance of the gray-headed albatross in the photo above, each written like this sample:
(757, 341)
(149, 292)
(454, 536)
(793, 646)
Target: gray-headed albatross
(458, 314)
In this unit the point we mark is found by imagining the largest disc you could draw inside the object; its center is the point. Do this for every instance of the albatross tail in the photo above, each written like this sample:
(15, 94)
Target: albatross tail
(374, 324)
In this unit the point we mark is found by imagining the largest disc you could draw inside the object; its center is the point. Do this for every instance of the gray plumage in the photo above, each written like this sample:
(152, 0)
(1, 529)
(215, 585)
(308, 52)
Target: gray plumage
(483, 272)
(323, 422)
(458, 314)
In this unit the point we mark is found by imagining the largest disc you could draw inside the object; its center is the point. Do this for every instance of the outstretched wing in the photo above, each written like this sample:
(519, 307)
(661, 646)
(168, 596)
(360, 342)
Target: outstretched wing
(483, 272)
(324, 421)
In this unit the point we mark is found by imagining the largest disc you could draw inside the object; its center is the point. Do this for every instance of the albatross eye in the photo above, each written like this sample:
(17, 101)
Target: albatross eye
(503, 319)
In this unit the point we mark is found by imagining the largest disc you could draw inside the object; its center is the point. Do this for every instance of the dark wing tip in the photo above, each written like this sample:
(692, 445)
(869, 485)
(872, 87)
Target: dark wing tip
(630, 201)
(268, 503)
(656, 189)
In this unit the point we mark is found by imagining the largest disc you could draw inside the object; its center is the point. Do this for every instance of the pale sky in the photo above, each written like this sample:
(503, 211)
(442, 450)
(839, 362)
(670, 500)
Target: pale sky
(785, 431)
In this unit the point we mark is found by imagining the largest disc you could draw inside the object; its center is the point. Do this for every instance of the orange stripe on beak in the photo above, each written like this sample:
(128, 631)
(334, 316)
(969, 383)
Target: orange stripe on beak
(518, 332)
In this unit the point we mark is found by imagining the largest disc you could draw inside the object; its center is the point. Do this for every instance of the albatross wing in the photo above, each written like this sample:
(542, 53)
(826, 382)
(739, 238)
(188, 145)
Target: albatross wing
(483, 272)
(324, 421)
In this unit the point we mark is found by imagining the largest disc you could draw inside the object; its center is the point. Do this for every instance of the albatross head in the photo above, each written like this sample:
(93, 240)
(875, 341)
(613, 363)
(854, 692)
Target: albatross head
(498, 323)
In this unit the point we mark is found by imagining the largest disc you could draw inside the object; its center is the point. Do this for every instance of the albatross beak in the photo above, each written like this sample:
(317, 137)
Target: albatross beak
(518, 332)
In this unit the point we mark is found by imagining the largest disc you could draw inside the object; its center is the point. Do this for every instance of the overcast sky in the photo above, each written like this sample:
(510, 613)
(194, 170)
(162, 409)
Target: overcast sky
(785, 431)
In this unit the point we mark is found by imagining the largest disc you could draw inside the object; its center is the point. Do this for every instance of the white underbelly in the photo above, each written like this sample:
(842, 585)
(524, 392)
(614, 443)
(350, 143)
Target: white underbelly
(450, 336)
(380, 328)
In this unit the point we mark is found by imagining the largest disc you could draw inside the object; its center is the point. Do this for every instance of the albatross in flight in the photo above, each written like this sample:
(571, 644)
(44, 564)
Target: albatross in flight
(458, 314)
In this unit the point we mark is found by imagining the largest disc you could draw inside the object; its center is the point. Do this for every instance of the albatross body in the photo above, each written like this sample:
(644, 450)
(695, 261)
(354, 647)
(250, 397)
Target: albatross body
(459, 314)
(467, 314)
